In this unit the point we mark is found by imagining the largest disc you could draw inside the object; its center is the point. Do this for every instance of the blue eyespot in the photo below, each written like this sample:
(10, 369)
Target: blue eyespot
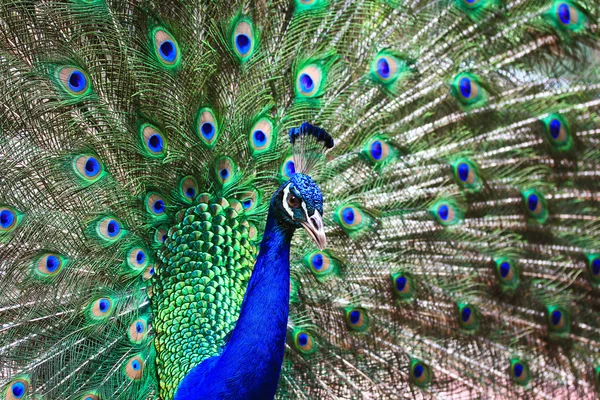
(306, 83)
(303, 339)
(465, 87)
(77, 81)
(418, 371)
(555, 126)
(376, 150)
(165, 47)
(290, 168)
(103, 305)
(247, 203)
(139, 327)
(420, 374)
(101, 309)
(109, 229)
(504, 269)
(317, 261)
(532, 202)
(167, 51)
(463, 171)
(596, 266)
(556, 317)
(88, 167)
(134, 367)
(155, 143)
(559, 323)
(92, 167)
(518, 370)
(224, 173)
(564, 13)
(18, 389)
(400, 283)
(348, 215)
(356, 319)
(151, 272)
(243, 39)
(466, 314)
(243, 43)
(113, 228)
(155, 204)
(52, 263)
(383, 68)
(140, 257)
(260, 138)
(190, 192)
(208, 130)
(159, 206)
(7, 218)
(443, 212)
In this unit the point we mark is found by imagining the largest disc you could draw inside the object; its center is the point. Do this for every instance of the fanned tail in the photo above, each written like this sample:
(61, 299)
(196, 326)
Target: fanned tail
(461, 197)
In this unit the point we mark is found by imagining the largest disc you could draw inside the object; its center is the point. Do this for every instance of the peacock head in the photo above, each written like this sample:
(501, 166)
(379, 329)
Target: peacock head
(299, 203)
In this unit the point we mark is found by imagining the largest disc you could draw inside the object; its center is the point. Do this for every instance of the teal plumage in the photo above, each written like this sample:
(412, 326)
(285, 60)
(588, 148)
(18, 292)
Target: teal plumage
(141, 143)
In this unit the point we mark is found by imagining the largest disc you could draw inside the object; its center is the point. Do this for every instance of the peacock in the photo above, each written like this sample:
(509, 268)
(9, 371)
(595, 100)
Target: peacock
(299, 199)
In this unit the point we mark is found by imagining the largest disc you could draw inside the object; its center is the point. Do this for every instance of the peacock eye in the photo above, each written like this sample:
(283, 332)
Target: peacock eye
(293, 201)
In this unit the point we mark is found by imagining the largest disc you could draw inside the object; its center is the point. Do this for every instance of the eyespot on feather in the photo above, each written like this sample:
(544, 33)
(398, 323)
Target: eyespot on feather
(134, 368)
(90, 396)
(566, 16)
(9, 219)
(261, 137)
(468, 317)
(101, 309)
(249, 199)
(154, 141)
(420, 374)
(466, 175)
(160, 235)
(149, 272)
(357, 319)
(243, 39)
(207, 127)
(507, 273)
(155, 204)
(73, 80)
(225, 170)
(137, 258)
(188, 189)
(138, 330)
(109, 229)
(535, 205)
(519, 372)
(304, 341)
(447, 213)
(49, 264)
(467, 89)
(165, 47)
(288, 168)
(402, 285)
(88, 167)
(309, 81)
(559, 323)
(351, 219)
(17, 389)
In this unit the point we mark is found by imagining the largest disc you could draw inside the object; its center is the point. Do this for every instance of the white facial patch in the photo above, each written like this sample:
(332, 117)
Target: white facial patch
(286, 206)
(286, 193)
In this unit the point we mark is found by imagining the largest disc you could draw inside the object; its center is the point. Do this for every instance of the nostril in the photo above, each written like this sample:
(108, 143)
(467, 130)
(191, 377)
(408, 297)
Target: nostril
(314, 223)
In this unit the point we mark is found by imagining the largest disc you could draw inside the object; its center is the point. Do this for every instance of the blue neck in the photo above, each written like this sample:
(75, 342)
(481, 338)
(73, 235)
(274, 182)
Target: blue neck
(250, 364)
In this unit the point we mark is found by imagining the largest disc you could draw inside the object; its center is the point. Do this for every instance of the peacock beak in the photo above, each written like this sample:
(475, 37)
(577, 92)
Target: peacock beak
(314, 226)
